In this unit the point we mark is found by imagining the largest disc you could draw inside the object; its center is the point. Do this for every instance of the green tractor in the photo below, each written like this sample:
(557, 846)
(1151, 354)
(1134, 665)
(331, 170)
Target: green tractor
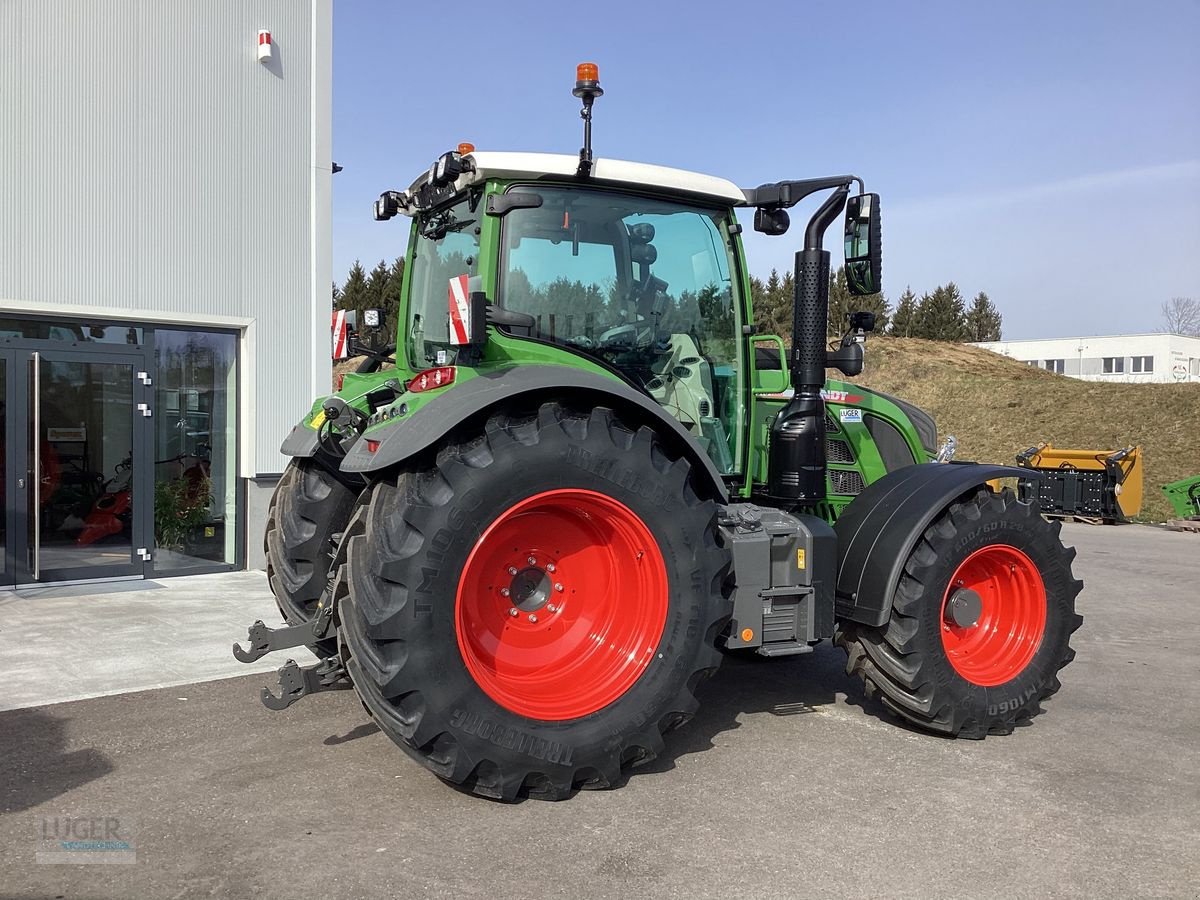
(586, 477)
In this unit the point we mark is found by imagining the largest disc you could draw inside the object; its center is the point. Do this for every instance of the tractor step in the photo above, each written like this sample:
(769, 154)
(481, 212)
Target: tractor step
(296, 682)
(784, 648)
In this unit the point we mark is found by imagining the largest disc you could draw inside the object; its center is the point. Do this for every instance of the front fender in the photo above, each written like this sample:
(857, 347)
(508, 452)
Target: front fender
(403, 437)
(882, 525)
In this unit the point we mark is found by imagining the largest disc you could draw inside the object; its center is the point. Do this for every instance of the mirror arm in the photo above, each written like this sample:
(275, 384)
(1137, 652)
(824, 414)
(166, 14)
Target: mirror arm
(823, 218)
(786, 194)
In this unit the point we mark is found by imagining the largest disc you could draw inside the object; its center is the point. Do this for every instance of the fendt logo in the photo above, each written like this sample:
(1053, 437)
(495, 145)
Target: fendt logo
(841, 396)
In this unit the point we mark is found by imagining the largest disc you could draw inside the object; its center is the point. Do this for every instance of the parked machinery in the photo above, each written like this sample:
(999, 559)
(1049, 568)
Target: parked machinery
(1104, 485)
(525, 546)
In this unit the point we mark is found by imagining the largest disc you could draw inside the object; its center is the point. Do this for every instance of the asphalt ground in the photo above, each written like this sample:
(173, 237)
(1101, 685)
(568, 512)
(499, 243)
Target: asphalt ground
(786, 784)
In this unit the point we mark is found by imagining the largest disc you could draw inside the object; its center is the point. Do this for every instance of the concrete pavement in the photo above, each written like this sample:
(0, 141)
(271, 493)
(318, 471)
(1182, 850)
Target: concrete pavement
(786, 784)
(80, 641)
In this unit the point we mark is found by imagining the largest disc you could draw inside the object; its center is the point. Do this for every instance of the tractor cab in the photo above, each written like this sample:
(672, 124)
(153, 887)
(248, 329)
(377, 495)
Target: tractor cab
(633, 270)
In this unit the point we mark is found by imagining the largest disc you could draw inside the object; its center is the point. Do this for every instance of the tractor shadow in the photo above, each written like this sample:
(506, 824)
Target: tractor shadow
(750, 685)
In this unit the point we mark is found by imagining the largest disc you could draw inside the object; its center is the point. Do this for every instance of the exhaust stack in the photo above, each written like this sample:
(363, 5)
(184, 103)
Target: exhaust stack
(796, 468)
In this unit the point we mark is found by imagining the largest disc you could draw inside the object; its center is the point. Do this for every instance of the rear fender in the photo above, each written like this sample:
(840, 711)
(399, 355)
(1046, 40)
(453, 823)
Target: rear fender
(881, 526)
(402, 438)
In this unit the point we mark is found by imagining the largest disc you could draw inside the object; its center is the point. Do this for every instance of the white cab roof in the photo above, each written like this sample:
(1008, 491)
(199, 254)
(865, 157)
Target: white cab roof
(499, 164)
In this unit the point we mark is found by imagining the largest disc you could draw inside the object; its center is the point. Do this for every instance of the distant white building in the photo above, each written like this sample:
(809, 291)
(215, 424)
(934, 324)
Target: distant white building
(1161, 357)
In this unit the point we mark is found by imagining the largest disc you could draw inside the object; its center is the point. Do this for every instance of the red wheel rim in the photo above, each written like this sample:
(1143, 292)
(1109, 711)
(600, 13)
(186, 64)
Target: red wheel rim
(993, 615)
(561, 604)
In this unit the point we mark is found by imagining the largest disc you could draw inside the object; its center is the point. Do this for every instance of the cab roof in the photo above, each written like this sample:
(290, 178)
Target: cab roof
(534, 166)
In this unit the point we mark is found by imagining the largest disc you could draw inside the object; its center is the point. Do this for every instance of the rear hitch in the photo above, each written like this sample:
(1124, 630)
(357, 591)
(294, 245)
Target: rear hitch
(296, 682)
(264, 639)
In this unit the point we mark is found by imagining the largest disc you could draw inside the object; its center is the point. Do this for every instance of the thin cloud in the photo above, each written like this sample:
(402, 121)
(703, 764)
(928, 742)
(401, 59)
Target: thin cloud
(1180, 171)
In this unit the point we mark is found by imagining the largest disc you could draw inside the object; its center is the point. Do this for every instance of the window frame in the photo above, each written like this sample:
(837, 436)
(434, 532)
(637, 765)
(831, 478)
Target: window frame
(725, 219)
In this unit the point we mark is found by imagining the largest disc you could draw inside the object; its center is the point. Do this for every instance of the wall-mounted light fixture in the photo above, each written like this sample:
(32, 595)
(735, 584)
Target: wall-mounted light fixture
(264, 45)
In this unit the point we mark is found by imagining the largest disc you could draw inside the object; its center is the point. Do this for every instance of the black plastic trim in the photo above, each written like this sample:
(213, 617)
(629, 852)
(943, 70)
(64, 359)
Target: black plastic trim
(881, 526)
(408, 436)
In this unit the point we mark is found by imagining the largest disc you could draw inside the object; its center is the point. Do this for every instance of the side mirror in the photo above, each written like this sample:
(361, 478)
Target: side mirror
(771, 221)
(863, 251)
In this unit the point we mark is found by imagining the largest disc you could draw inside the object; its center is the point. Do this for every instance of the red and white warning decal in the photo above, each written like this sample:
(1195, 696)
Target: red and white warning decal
(341, 341)
(460, 311)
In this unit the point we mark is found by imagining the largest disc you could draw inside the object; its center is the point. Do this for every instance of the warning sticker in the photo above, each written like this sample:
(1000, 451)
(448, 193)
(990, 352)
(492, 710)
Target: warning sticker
(800, 561)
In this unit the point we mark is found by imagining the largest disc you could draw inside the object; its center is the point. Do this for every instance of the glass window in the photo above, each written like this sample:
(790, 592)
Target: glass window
(447, 245)
(70, 332)
(1055, 365)
(644, 285)
(195, 448)
(1143, 364)
(1114, 365)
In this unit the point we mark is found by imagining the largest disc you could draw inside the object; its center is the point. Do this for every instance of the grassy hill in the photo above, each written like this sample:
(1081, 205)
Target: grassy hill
(997, 406)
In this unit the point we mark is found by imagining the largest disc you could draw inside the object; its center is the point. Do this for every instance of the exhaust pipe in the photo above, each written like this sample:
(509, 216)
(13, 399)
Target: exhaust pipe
(796, 467)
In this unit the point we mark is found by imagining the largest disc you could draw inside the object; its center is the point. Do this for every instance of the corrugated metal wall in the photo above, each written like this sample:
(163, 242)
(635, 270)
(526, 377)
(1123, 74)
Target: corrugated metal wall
(150, 164)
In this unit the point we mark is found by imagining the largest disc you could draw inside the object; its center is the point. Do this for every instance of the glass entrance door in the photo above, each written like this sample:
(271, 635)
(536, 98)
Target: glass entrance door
(81, 501)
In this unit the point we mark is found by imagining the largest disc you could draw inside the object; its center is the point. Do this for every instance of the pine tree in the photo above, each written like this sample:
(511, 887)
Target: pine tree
(337, 295)
(376, 282)
(354, 289)
(941, 316)
(758, 303)
(391, 296)
(904, 319)
(983, 320)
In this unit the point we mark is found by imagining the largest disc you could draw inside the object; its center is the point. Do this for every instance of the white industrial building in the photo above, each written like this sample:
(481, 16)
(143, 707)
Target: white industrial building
(165, 257)
(1161, 357)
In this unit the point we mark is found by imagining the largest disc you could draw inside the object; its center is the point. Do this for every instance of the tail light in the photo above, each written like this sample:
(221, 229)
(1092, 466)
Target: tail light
(431, 379)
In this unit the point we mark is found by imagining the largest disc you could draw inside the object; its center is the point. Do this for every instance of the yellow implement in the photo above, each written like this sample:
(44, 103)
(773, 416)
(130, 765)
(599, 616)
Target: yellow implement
(1090, 484)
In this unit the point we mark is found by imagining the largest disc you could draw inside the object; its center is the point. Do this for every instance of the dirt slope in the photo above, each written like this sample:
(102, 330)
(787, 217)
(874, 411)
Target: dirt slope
(997, 406)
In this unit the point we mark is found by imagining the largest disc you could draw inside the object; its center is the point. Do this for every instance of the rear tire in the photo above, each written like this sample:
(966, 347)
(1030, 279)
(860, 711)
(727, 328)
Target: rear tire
(940, 670)
(615, 622)
(309, 508)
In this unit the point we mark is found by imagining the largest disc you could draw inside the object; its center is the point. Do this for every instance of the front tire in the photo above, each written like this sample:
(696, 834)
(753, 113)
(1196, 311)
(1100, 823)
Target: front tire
(980, 623)
(528, 613)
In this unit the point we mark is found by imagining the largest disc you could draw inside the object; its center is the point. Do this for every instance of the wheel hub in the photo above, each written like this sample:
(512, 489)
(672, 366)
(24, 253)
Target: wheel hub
(530, 589)
(964, 608)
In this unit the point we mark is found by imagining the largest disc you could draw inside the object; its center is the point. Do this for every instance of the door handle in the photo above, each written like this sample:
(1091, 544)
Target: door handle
(37, 466)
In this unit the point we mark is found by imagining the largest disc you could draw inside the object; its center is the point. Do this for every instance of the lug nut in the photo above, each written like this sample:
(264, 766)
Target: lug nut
(551, 607)
(532, 561)
(512, 611)
(512, 570)
(558, 586)
(504, 592)
(550, 567)
(533, 618)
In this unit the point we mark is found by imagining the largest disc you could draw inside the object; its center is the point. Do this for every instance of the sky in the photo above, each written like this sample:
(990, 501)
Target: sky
(1047, 153)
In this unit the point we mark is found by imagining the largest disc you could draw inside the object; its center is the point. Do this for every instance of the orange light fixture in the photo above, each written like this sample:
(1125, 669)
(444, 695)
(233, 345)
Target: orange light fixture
(587, 71)
(747, 634)
(465, 147)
